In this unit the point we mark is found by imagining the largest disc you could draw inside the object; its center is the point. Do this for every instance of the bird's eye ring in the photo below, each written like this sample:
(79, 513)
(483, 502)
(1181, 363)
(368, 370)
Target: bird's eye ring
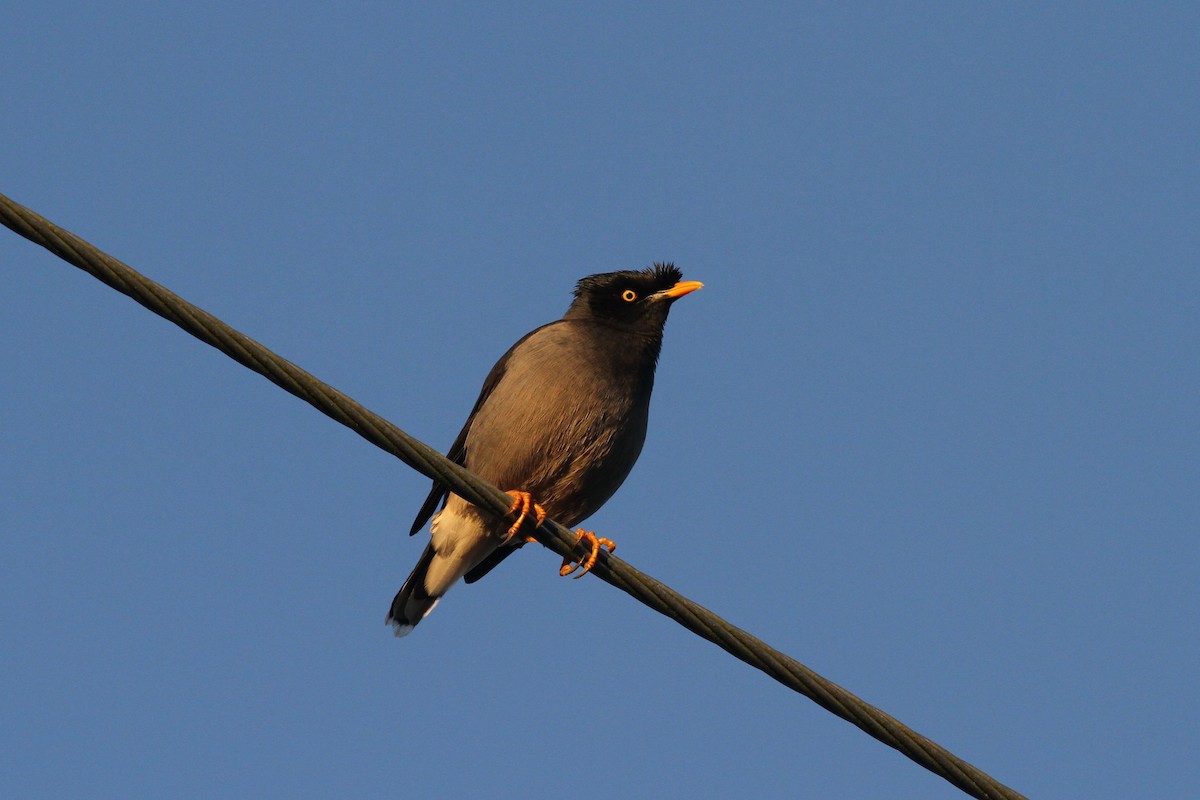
(629, 295)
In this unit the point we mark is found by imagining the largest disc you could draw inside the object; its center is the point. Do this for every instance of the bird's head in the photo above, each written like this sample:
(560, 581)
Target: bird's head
(632, 299)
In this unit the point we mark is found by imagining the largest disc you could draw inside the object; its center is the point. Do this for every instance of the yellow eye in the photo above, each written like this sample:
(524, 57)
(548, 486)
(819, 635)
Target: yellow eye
(629, 295)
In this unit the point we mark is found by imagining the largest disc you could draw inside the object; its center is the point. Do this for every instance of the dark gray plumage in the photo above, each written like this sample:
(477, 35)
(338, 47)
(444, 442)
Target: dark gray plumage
(561, 416)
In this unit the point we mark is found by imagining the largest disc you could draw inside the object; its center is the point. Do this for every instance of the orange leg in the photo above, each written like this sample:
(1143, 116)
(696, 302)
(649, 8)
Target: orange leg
(523, 502)
(586, 564)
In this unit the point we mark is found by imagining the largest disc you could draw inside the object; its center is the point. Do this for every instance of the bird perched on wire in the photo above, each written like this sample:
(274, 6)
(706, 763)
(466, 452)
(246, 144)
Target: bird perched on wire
(560, 421)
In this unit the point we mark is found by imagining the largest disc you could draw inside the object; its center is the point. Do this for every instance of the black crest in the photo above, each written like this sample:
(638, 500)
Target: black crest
(649, 280)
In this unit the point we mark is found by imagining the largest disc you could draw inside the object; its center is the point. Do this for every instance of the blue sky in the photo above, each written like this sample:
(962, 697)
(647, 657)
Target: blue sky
(931, 428)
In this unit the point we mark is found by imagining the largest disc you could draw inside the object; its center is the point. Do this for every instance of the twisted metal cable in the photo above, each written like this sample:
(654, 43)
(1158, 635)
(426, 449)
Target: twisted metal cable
(429, 462)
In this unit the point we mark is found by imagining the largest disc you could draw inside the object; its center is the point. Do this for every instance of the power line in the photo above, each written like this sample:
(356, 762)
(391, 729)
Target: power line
(432, 464)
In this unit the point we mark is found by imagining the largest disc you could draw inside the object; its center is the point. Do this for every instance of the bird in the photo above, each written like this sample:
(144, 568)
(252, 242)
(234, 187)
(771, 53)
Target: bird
(559, 423)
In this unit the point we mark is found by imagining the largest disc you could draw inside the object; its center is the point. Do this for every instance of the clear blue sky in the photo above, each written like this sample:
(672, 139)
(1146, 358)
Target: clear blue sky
(931, 428)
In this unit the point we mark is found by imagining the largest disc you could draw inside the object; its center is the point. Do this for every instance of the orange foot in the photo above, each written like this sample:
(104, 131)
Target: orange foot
(586, 564)
(524, 502)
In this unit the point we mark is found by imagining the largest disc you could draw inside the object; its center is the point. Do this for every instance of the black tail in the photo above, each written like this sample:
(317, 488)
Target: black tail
(412, 602)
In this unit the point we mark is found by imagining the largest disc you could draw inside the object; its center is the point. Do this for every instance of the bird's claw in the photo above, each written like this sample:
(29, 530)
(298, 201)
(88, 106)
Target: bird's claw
(569, 565)
(523, 502)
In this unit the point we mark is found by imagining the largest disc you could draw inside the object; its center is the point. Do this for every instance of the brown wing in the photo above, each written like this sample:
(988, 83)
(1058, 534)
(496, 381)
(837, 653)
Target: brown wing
(458, 451)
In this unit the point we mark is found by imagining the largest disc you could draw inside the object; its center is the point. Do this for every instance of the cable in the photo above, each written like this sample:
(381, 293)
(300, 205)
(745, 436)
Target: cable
(429, 462)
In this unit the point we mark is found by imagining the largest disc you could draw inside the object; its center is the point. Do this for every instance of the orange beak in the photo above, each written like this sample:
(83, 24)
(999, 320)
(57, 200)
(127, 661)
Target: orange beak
(682, 288)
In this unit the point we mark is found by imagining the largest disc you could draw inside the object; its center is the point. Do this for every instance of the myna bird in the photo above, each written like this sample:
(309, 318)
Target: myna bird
(559, 424)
